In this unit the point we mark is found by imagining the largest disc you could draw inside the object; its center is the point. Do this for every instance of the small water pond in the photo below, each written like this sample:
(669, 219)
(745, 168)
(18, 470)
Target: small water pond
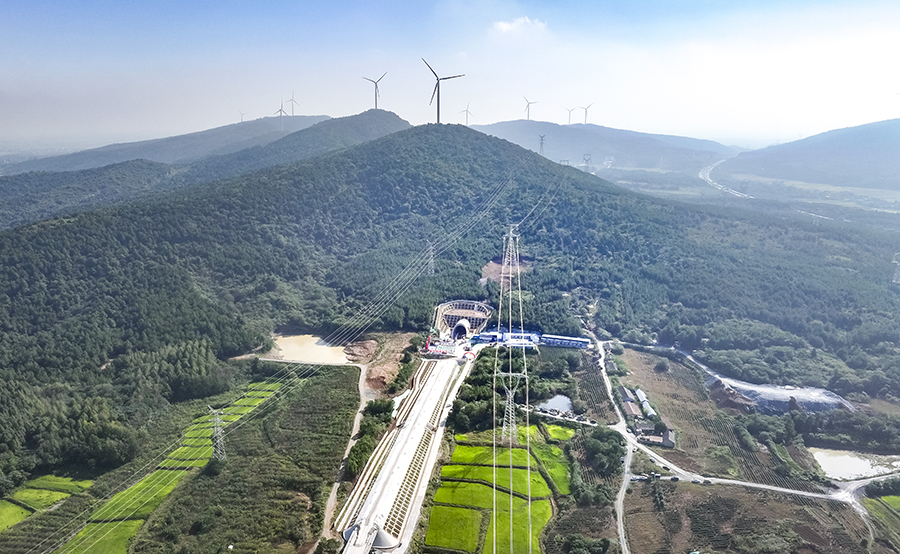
(847, 465)
(559, 402)
(308, 348)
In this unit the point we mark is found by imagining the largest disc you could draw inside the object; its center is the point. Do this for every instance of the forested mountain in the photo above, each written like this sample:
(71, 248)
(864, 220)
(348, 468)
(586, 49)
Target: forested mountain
(40, 195)
(115, 313)
(327, 136)
(177, 149)
(611, 148)
(43, 194)
(867, 156)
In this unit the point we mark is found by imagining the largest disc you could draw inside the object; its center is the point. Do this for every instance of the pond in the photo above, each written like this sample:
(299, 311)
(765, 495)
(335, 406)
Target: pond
(308, 348)
(847, 465)
(559, 402)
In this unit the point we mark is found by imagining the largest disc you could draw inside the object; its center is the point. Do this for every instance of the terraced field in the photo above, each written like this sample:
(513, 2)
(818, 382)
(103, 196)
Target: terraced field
(37, 494)
(113, 524)
(461, 517)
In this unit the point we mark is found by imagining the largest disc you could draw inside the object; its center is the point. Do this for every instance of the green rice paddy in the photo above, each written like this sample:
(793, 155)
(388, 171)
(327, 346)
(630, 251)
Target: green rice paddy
(892, 501)
(61, 484)
(464, 454)
(138, 501)
(469, 494)
(486, 473)
(10, 514)
(250, 401)
(38, 499)
(541, 512)
(103, 538)
(183, 463)
(192, 453)
(554, 460)
(454, 528)
(560, 433)
(199, 441)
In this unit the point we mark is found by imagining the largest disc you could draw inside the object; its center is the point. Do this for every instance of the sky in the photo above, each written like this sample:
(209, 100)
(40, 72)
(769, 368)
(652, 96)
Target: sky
(750, 73)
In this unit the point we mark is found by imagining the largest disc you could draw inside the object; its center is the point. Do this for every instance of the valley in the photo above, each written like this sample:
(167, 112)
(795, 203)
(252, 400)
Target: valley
(175, 296)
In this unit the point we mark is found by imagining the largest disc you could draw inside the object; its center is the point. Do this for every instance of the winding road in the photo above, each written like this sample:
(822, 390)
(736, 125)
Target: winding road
(847, 492)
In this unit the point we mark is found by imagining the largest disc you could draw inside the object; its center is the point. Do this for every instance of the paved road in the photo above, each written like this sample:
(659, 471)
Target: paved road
(704, 174)
(848, 492)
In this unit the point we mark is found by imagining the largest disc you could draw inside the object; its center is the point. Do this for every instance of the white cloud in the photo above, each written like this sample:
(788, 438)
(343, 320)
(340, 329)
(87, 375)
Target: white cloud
(519, 26)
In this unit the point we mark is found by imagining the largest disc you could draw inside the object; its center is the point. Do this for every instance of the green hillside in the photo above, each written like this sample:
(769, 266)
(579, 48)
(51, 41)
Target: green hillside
(328, 136)
(40, 195)
(158, 292)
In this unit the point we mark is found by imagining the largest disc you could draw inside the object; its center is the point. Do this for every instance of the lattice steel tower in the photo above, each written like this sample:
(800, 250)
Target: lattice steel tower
(510, 379)
(218, 437)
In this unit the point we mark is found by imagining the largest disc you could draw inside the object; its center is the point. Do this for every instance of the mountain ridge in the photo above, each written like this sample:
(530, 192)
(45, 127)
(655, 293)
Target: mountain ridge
(174, 149)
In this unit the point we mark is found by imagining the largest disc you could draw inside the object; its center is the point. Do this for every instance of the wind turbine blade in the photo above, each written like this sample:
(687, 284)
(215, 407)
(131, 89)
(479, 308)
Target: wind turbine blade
(436, 85)
(453, 77)
(589, 105)
(432, 70)
(370, 80)
(382, 77)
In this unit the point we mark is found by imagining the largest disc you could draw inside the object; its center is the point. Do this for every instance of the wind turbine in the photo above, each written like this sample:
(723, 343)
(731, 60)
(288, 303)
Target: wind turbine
(437, 88)
(293, 102)
(570, 110)
(376, 87)
(242, 115)
(467, 112)
(281, 113)
(585, 112)
(528, 108)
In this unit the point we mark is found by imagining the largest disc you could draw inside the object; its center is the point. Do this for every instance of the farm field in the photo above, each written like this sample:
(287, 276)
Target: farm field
(485, 473)
(560, 433)
(476, 495)
(665, 516)
(61, 484)
(592, 390)
(103, 538)
(484, 455)
(705, 441)
(138, 501)
(885, 517)
(10, 514)
(454, 528)
(38, 499)
(551, 456)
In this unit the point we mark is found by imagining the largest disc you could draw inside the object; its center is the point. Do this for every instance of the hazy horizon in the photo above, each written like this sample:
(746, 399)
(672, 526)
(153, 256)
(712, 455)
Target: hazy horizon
(748, 75)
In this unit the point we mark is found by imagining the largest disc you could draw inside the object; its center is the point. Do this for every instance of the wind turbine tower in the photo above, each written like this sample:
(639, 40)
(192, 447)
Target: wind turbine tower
(528, 108)
(437, 88)
(281, 113)
(585, 112)
(242, 115)
(293, 103)
(570, 110)
(467, 112)
(375, 82)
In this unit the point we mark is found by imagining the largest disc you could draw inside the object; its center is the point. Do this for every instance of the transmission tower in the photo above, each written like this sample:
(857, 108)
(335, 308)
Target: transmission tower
(587, 163)
(218, 437)
(542, 145)
(510, 379)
